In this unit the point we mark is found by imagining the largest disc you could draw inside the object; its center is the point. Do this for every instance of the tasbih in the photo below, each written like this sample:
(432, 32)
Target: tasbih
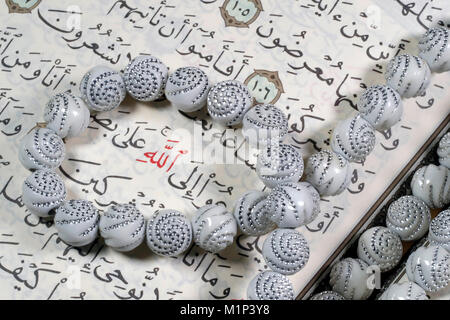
(289, 204)
(408, 218)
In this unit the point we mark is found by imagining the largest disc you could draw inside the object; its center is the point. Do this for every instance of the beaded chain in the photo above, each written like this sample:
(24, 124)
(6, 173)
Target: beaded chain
(408, 219)
(289, 204)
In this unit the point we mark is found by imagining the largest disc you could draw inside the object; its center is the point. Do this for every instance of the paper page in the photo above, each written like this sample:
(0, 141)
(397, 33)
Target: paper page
(312, 59)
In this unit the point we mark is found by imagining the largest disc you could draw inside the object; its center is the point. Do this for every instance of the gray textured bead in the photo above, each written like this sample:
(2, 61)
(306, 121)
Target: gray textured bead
(169, 233)
(251, 214)
(102, 88)
(432, 184)
(353, 138)
(293, 204)
(42, 192)
(434, 48)
(228, 101)
(404, 291)
(381, 106)
(123, 227)
(439, 232)
(285, 251)
(409, 217)
(77, 222)
(214, 228)
(429, 267)
(42, 148)
(380, 246)
(328, 172)
(279, 163)
(443, 150)
(66, 115)
(187, 88)
(270, 285)
(263, 123)
(145, 78)
(408, 75)
(349, 277)
(327, 295)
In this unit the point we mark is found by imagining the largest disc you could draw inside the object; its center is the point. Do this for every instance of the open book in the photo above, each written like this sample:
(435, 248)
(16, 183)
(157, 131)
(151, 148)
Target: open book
(312, 59)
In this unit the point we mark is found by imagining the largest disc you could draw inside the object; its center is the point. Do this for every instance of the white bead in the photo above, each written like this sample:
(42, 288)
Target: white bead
(67, 115)
(42, 192)
(270, 285)
(102, 88)
(432, 184)
(187, 88)
(214, 228)
(439, 232)
(279, 163)
(228, 101)
(328, 172)
(353, 138)
(123, 227)
(293, 204)
(381, 106)
(408, 75)
(251, 214)
(41, 148)
(77, 222)
(169, 233)
(380, 246)
(409, 217)
(434, 48)
(327, 295)
(404, 291)
(429, 268)
(349, 277)
(285, 251)
(443, 150)
(145, 78)
(264, 123)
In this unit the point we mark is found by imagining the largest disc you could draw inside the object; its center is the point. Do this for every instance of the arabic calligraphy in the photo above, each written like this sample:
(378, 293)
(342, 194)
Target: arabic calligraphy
(311, 58)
